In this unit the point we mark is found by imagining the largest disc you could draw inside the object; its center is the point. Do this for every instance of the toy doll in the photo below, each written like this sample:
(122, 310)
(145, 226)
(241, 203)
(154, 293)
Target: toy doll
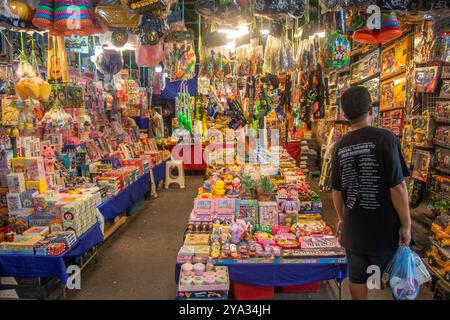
(49, 158)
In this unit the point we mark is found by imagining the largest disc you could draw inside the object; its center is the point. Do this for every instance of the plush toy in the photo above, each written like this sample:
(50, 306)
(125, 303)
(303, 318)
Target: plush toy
(49, 158)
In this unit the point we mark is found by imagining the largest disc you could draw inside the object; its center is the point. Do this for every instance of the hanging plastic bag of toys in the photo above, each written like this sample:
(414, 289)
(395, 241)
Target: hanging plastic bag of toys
(338, 51)
(181, 56)
(272, 55)
(149, 7)
(273, 8)
(109, 62)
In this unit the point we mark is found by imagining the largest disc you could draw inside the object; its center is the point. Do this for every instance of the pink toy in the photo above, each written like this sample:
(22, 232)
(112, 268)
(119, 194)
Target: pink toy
(225, 206)
(204, 206)
(49, 158)
(237, 229)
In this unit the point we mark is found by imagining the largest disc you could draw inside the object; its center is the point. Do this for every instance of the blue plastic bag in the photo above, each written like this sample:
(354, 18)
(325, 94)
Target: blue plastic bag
(403, 275)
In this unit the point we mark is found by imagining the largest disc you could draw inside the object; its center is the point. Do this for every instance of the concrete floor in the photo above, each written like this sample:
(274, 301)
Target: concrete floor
(137, 262)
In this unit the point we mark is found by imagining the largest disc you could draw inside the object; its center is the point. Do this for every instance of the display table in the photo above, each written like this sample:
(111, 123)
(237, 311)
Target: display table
(20, 265)
(286, 273)
(126, 198)
(159, 172)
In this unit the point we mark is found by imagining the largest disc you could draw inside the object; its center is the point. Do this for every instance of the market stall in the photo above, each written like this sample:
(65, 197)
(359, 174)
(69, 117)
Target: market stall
(268, 233)
(75, 151)
(256, 88)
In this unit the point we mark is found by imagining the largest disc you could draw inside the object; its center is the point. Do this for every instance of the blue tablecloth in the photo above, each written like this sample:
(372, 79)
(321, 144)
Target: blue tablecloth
(279, 275)
(125, 198)
(159, 172)
(142, 123)
(49, 266)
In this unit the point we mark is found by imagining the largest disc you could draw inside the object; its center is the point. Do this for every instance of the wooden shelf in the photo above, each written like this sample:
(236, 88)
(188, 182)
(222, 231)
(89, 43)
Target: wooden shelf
(111, 229)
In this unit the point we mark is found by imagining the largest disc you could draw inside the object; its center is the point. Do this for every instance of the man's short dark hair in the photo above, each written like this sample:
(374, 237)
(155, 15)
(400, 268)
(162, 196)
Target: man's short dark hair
(356, 102)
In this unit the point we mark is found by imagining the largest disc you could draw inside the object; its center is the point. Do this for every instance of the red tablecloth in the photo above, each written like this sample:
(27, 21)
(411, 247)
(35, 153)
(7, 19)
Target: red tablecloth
(293, 148)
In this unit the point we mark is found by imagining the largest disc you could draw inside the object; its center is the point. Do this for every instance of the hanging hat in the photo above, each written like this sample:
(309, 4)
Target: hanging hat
(390, 28)
(43, 18)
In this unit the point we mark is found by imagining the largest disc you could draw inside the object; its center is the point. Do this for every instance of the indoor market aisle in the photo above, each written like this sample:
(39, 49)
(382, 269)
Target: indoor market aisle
(137, 262)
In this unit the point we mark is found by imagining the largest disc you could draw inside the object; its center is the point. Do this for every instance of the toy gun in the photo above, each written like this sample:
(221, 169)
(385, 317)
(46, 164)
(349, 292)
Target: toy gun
(236, 114)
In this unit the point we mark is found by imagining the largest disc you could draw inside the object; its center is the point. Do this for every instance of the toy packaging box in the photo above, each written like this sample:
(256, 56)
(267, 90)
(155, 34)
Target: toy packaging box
(16, 182)
(268, 213)
(39, 185)
(13, 200)
(393, 120)
(35, 169)
(247, 210)
(393, 93)
(395, 57)
(18, 164)
(426, 79)
(422, 162)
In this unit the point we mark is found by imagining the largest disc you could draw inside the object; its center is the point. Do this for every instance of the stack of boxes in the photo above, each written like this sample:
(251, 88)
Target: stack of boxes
(79, 213)
(309, 159)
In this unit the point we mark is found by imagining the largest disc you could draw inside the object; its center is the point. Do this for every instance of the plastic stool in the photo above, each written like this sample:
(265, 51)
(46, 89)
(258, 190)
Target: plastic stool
(174, 178)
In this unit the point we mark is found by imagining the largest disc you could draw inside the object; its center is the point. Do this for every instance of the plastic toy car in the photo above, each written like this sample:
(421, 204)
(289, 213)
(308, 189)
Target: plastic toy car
(441, 230)
(119, 21)
(439, 258)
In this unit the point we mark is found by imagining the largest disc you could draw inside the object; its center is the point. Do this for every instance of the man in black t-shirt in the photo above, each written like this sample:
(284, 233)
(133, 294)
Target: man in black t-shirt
(369, 192)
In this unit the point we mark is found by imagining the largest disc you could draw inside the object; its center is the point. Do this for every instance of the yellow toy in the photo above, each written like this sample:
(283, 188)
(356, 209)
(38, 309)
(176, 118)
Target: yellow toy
(202, 194)
(441, 231)
(440, 260)
(218, 188)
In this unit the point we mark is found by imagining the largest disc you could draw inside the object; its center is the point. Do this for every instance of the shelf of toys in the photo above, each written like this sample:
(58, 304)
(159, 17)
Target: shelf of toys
(405, 67)
(264, 225)
(73, 161)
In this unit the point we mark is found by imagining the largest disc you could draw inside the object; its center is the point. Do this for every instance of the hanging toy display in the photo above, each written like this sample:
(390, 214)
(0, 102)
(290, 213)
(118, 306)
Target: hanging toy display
(109, 62)
(184, 108)
(56, 119)
(27, 120)
(29, 83)
(338, 50)
(181, 55)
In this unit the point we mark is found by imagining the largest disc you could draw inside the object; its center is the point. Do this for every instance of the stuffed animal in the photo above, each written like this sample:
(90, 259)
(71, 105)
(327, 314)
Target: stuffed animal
(49, 158)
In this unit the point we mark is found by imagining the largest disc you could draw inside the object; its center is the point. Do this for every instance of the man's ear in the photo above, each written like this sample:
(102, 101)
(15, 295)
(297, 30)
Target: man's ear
(370, 110)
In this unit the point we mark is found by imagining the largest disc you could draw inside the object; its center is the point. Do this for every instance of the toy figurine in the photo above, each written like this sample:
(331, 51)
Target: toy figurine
(202, 194)
(218, 188)
(235, 188)
(49, 155)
